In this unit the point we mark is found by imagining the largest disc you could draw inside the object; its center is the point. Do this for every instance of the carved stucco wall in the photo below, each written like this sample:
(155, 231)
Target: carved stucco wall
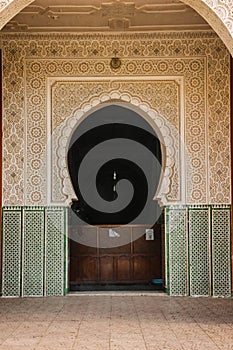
(183, 79)
(165, 94)
(218, 13)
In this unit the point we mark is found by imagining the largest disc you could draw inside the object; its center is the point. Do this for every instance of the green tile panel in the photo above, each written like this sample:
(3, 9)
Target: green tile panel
(177, 251)
(199, 251)
(11, 251)
(54, 251)
(221, 251)
(33, 252)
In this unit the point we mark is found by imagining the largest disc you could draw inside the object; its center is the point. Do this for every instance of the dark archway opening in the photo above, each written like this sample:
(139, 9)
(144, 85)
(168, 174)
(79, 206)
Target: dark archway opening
(110, 245)
(118, 159)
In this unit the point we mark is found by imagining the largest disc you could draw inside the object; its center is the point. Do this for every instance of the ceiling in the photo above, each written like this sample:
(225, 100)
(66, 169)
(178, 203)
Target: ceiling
(107, 15)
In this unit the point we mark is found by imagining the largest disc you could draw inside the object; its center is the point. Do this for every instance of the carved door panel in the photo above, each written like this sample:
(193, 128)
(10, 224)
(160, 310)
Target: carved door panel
(138, 261)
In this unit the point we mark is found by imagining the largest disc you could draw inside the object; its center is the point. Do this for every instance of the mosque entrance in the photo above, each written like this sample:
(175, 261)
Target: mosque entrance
(115, 223)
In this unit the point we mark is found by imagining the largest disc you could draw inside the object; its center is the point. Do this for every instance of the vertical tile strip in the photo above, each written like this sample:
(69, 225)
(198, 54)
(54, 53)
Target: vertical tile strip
(54, 251)
(178, 251)
(221, 251)
(33, 251)
(66, 253)
(11, 260)
(167, 272)
(199, 251)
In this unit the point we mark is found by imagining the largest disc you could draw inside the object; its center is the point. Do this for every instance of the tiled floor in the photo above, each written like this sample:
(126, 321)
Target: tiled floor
(116, 322)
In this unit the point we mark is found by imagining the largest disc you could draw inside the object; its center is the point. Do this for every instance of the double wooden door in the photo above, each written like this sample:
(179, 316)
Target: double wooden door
(137, 261)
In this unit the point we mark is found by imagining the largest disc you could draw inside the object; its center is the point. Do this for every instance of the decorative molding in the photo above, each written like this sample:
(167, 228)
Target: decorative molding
(116, 15)
(217, 13)
(28, 61)
(167, 133)
(87, 37)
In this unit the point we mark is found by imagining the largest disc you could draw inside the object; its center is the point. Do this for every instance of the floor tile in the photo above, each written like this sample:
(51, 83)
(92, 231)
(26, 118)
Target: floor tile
(105, 322)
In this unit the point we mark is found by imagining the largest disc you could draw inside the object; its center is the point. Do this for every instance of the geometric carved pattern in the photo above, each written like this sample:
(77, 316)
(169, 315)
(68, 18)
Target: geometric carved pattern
(219, 145)
(177, 251)
(61, 186)
(142, 92)
(219, 15)
(221, 251)
(158, 98)
(33, 251)
(199, 254)
(11, 254)
(29, 60)
(54, 247)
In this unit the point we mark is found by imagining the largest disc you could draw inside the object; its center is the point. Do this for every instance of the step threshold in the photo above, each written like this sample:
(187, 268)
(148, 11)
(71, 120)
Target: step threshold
(118, 293)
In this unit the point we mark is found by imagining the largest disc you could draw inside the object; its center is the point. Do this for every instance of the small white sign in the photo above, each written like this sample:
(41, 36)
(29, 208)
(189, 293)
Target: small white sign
(112, 233)
(149, 234)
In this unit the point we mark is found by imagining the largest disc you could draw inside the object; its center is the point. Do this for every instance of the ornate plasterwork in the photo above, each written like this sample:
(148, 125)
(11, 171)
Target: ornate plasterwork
(60, 15)
(218, 14)
(194, 86)
(200, 59)
(9, 8)
(168, 134)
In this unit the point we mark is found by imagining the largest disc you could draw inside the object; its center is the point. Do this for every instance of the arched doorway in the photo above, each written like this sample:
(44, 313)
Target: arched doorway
(117, 243)
(53, 80)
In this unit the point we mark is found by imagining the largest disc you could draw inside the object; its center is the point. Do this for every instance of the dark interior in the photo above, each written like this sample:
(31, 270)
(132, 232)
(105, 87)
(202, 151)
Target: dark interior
(114, 123)
(97, 260)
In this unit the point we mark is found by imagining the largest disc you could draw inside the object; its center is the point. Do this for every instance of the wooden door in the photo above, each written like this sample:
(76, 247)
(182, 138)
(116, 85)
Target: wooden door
(136, 262)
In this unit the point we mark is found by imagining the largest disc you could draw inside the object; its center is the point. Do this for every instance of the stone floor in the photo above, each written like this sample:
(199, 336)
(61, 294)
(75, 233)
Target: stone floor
(116, 322)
